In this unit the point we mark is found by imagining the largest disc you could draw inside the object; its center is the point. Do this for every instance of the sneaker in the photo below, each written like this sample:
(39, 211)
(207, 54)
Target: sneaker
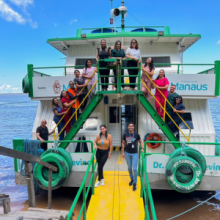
(97, 183)
(134, 187)
(131, 183)
(102, 182)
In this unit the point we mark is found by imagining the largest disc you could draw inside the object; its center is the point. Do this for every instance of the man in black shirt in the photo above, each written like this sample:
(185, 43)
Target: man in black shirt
(43, 133)
(131, 140)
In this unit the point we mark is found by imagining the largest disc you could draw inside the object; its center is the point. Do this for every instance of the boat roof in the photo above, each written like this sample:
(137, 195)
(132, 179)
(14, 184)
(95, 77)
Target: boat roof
(159, 34)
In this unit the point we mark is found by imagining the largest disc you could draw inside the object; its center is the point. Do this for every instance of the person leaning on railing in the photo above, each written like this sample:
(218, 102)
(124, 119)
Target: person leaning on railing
(72, 95)
(102, 143)
(172, 99)
(80, 84)
(180, 109)
(147, 68)
(133, 53)
(162, 84)
(87, 75)
(104, 52)
(118, 53)
(57, 116)
(66, 103)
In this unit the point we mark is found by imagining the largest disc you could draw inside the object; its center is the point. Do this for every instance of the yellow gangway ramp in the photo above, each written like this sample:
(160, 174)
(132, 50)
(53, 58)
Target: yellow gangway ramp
(116, 200)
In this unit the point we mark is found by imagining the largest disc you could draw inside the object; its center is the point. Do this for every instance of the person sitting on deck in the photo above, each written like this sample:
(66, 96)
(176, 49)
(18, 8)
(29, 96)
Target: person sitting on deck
(162, 85)
(72, 95)
(147, 74)
(57, 117)
(87, 74)
(172, 99)
(180, 109)
(42, 134)
(80, 84)
(118, 53)
(66, 104)
(130, 146)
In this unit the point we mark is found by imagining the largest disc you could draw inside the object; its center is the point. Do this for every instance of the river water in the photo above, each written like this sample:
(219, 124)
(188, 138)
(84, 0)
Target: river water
(17, 114)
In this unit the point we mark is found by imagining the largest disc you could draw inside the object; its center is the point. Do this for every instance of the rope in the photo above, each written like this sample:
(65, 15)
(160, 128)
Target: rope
(7, 181)
(135, 18)
(194, 207)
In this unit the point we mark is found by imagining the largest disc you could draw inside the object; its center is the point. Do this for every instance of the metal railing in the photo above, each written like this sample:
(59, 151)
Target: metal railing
(164, 107)
(146, 191)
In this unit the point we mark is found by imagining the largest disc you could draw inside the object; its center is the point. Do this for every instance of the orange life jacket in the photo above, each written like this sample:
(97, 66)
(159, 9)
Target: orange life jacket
(74, 93)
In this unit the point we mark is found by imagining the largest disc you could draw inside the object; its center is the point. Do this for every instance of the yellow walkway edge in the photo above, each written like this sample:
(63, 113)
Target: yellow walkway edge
(116, 200)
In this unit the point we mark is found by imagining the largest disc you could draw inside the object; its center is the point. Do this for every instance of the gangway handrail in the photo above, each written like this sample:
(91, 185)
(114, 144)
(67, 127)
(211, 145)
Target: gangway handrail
(83, 189)
(188, 139)
(55, 137)
(145, 192)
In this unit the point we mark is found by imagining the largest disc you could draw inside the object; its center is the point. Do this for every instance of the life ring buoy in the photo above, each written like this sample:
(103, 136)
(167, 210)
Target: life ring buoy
(58, 178)
(63, 153)
(154, 137)
(25, 85)
(187, 185)
(193, 153)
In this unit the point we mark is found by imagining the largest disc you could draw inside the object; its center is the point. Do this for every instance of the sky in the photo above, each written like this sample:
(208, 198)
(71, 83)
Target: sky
(27, 24)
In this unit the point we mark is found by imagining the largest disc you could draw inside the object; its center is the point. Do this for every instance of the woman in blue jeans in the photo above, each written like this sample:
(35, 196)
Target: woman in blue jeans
(57, 116)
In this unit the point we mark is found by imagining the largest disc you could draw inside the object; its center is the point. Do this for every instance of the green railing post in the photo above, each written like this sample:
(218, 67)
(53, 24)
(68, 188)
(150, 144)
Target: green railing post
(65, 71)
(139, 77)
(98, 78)
(178, 70)
(118, 72)
(217, 77)
(30, 77)
(84, 201)
(142, 173)
(93, 178)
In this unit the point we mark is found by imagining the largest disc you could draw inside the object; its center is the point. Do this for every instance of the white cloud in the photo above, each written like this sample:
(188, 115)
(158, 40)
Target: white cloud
(9, 14)
(218, 42)
(6, 88)
(23, 3)
(73, 21)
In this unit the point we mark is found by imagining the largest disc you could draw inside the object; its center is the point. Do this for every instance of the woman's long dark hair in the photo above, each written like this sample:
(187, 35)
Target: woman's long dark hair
(86, 63)
(61, 94)
(180, 97)
(53, 103)
(151, 65)
(106, 133)
(118, 41)
(136, 47)
(163, 72)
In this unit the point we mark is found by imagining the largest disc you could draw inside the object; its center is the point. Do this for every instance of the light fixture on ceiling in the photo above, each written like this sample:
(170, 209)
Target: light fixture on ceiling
(151, 42)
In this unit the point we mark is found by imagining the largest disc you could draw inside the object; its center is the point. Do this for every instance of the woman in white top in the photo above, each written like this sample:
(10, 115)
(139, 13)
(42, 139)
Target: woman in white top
(133, 53)
(88, 75)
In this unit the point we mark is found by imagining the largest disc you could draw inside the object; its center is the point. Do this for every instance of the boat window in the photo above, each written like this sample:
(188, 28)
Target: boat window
(113, 112)
(82, 61)
(158, 60)
(91, 124)
(188, 119)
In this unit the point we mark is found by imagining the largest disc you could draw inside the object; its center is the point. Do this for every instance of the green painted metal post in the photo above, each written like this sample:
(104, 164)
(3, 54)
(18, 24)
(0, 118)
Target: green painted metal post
(98, 78)
(118, 72)
(93, 178)
(217, 77)
(142, 173)
(84, 201)
(139, 77)
(30, 77)
(65, 71)
(178, 70)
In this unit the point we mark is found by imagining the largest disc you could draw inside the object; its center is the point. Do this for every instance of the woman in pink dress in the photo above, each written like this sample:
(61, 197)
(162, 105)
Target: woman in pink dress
(147, 69)
(66, 104)
(162, 84)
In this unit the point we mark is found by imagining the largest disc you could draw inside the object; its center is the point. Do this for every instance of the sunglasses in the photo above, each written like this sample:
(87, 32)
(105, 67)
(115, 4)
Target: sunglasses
(178, 99)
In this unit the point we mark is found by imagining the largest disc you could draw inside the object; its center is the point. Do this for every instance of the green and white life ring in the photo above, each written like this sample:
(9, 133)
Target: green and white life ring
(193, 153)
(58, 178)
(25, 85)
(173, 180)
